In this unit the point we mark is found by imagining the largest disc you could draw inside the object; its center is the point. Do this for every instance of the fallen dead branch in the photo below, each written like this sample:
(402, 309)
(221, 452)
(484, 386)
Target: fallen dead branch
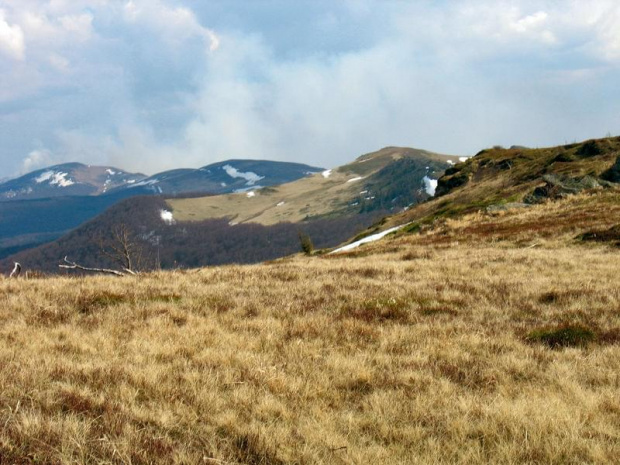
(69, 265)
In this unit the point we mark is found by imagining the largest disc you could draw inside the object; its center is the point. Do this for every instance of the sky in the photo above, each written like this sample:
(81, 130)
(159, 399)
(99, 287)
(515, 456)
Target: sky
(150, 85)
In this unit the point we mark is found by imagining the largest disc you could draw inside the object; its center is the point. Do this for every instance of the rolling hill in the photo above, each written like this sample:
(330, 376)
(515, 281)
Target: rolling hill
(222, 177)
(501, 181)
(388, 180)
(259, 223)
(46, 204)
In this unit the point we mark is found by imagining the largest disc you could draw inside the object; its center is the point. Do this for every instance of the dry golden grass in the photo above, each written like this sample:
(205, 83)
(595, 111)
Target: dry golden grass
(310, 196)
(416, 354)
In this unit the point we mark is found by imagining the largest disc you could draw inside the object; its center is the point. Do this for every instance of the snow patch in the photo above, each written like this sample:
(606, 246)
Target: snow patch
(110, 172)
(430, 185)
(44, 177)
(355, 179)
(280, 204)
(150, 182)
(251, 194)
(251, 178)
(367, 239)
(167, 217)
(55, 179)
(463, 158)
(326, 174)
(223, 184)
(450, 162)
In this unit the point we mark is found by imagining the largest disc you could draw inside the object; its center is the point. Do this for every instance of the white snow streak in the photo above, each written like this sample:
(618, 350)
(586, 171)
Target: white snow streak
(367, 239)
(110, 172)
(326, 174)
(251, 178)
(150, 182)
(463, 158)
(251, 194)
(355, 179)
(280, 204)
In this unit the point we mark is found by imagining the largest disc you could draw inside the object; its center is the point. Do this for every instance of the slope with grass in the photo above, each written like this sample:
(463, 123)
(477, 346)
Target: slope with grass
(498, 180)
(409, 350)
(498, 176)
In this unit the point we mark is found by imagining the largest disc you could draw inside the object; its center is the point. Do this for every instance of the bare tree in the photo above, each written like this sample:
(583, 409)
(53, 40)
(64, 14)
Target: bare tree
(121, 248)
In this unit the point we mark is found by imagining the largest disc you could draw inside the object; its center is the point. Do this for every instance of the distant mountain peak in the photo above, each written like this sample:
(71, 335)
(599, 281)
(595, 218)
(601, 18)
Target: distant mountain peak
(66, 179)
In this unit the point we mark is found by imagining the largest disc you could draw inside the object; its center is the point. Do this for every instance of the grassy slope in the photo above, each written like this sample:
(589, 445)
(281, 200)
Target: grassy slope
(412, 350)
(498, 176)
(308, 197)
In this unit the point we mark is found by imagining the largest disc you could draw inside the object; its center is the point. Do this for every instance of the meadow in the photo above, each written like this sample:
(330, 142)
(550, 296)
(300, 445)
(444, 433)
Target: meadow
(422, 349)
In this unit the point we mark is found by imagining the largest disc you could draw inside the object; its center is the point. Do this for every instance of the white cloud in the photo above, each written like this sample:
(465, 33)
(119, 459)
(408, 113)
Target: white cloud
(35, 160)
(608, 33)
(59, 62)
(79, 26)
(11, 38)
(175, 24)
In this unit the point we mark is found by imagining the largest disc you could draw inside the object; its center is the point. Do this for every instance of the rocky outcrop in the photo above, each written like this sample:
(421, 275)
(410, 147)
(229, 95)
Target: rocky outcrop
(557, 187)
(454, 177)
(613, 173)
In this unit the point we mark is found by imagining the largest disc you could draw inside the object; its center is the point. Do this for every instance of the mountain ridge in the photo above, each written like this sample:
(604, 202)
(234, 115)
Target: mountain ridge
(66, 179)
(331, 204)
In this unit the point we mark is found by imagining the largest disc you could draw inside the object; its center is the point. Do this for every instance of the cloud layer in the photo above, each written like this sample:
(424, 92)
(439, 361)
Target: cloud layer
(155, 84)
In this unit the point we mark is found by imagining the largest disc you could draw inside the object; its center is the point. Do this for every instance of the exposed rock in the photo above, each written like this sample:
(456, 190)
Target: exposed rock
(613, 173)
(450, 181)
(557, 186)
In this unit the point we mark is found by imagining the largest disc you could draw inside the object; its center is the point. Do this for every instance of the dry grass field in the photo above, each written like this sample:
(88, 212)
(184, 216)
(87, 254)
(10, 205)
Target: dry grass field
(423, 349)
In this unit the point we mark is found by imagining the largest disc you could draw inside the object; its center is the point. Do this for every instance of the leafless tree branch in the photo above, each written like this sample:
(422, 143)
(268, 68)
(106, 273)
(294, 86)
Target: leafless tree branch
(74, 266)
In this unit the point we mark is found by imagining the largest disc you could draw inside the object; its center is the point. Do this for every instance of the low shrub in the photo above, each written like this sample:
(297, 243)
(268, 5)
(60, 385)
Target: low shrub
(563, 336)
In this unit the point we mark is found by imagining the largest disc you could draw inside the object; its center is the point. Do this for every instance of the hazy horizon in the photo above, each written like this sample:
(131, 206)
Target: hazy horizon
(149, 85)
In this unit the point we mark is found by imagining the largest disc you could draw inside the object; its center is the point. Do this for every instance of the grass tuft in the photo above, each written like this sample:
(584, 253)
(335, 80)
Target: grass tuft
(563, 336)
